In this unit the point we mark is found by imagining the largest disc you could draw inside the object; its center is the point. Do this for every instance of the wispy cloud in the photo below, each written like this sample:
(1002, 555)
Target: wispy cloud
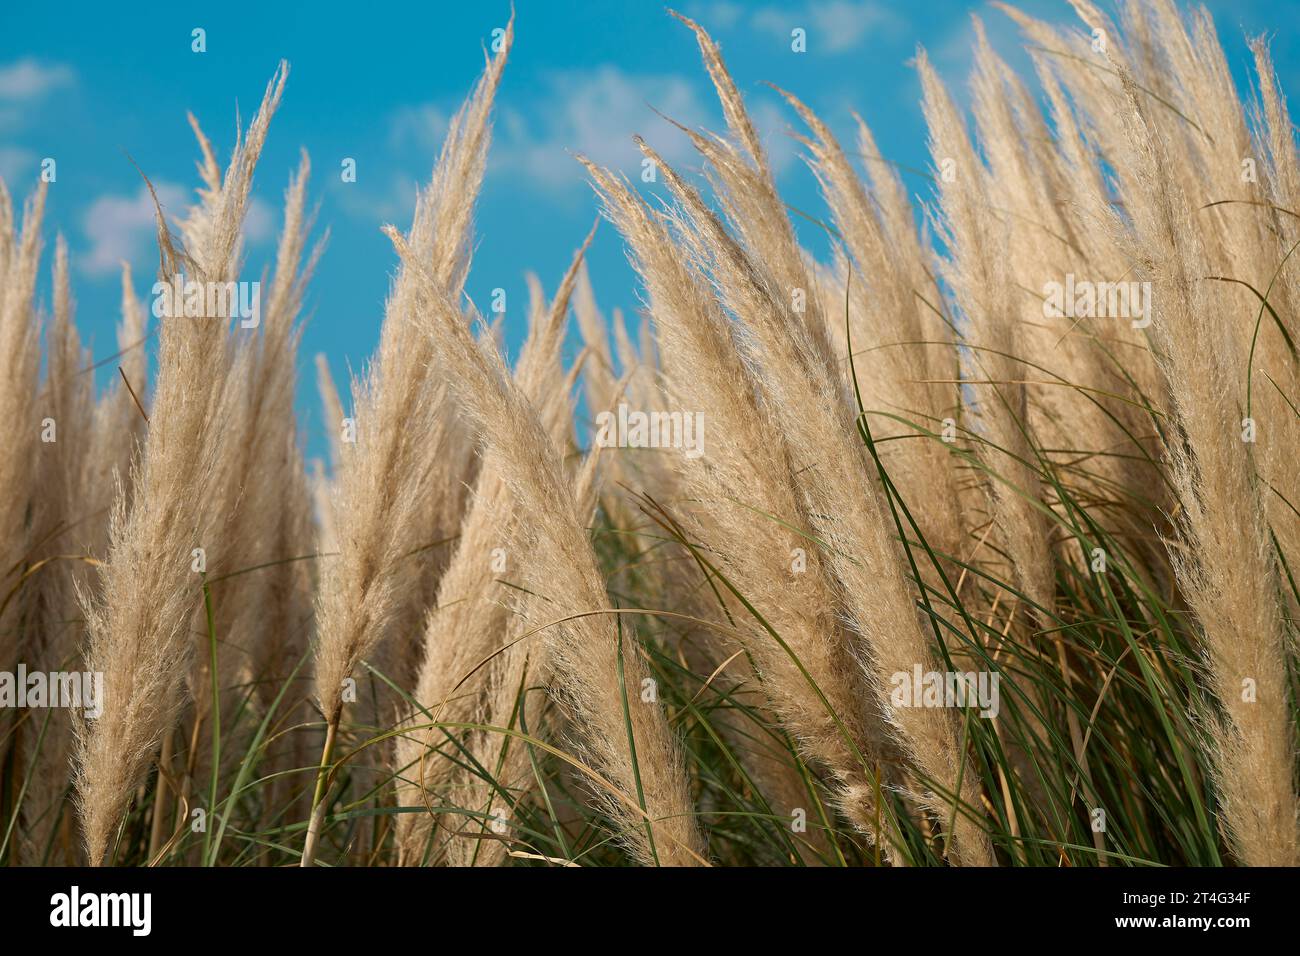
(259, 221)
(590, 112)
(832, 26)
(17, 164)
(386, 197)
(953, 51)
(596, 112)
(717, 15)
(422, 126)
(23, 83)
(772, 120)
(28, 78)
(122, 227)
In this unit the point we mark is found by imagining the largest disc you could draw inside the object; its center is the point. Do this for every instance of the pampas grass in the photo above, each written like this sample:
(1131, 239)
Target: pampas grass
(482, 634)
(139, 627)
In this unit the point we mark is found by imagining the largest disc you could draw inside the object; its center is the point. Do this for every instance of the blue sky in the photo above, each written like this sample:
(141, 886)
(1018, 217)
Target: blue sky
(88, 83)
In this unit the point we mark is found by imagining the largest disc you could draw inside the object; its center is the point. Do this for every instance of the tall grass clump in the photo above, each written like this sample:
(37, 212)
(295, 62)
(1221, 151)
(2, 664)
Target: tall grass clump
(958, 573)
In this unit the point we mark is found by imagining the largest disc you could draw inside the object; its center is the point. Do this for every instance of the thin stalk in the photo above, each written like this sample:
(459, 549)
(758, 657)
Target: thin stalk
(216, 715)
(159, 821)
(318, 798)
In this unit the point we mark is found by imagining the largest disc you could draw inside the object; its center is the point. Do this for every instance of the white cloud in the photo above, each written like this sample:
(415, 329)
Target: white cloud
(719, 15)
(122, 227)
(259, 221)
(595, 113)
(589, 112)
(773, 124)
(17, 165)
(423, 126)
(21, 84)
(379, 199)
(953, 52)
(834, 26)
(28, 79)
